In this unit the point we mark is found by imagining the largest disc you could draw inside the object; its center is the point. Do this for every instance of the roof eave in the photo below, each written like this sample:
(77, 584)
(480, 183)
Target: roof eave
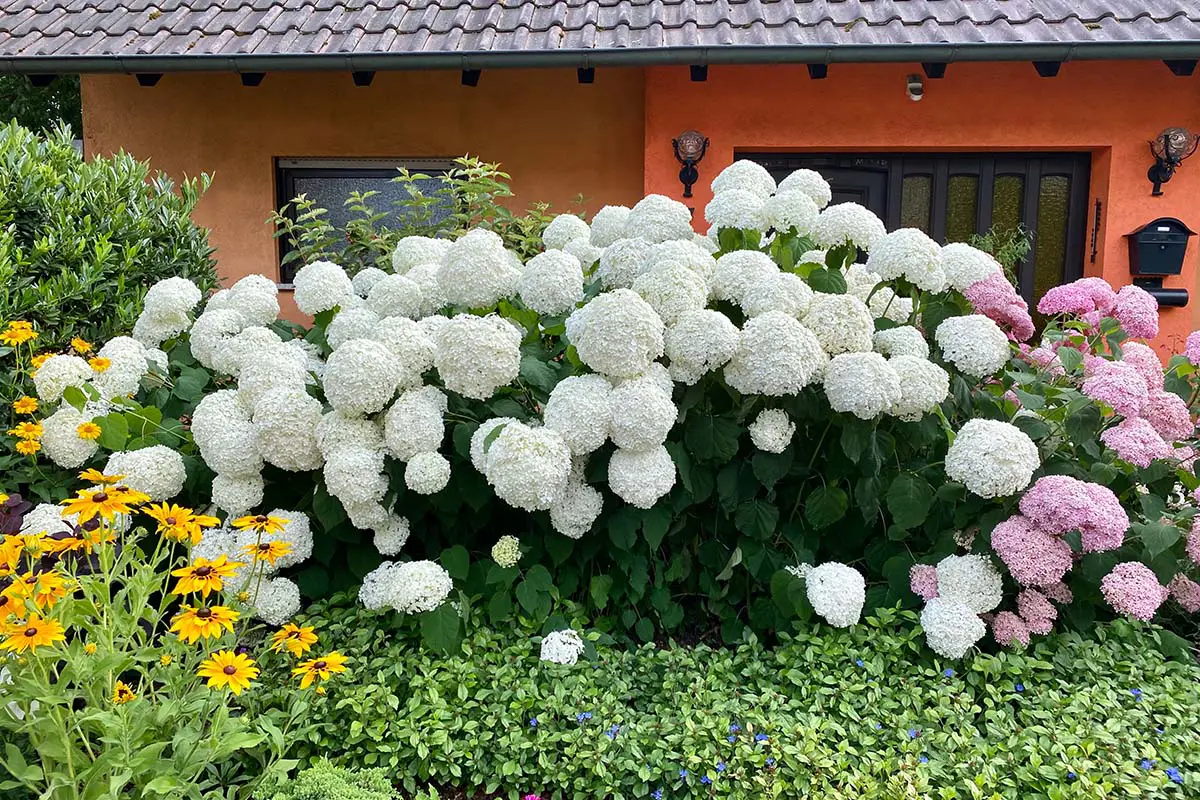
(731, 54)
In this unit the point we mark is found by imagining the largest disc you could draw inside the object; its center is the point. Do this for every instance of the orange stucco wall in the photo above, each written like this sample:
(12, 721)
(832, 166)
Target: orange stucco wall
(1110, 109)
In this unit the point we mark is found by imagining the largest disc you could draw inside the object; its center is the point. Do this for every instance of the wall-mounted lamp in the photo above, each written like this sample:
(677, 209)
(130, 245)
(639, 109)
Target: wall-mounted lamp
(690, 148)
(1169, 149)
(914, 86)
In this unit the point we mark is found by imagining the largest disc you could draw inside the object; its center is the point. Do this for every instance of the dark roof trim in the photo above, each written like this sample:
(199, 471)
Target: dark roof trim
(732, 54)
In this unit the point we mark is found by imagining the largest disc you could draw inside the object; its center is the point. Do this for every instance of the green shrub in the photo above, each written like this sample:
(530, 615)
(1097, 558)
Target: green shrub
(837, 707)
(324, 781)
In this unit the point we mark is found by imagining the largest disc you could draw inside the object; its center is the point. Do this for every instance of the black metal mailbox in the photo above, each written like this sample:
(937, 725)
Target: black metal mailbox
(1158, 247)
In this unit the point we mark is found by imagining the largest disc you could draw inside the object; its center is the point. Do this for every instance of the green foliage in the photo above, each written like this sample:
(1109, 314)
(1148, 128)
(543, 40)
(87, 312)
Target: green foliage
(1009, 246)
(836, 707)
(324, 781)
(41, 108)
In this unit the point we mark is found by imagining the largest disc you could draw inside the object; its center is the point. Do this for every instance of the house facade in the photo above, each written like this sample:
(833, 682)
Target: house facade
(955, 116)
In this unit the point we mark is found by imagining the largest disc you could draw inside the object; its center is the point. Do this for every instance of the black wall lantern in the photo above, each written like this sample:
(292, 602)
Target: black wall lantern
(1169, 149)
(1156, 250)
(690, 148)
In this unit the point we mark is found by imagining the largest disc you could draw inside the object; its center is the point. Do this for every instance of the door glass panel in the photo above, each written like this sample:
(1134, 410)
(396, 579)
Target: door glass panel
(961, 205)
(1050, 249)
(916, 201)
(1008, 199)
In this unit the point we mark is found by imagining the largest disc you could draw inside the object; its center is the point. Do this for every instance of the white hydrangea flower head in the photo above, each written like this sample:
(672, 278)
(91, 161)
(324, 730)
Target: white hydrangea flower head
(923, 386)
(157, 359)
(641, 477)
(378, 587)
(391, 534)
(506, 552)
(425, 276)
(339, 430)
(127, 366)
(863, 384)
(413, 250)
(237, 494)
(587, 253)
(349, 323)
(411, 345)
(657, 374)
(563, 229)
(837, 593)
(609, 225)
(903, 340)
(747, 176)
(366, 278)
(46, 518)
(246, 343)
(622, 262)
(617, 333)
(480, 443)
(285, 423)
(552, 282)
(776, 356)
(413, 424)
(355, 475)
(951, 627)
(851, 223)
(420, 586)
(974, 344)
(574, 513)
(528, 467)
(396, 296)
(657, 218)
(61, 441)
(992, 458)
(427, 473)
(320, 286)
(735, 272)
(166, 310)
(367, 514)
(297, 532)
(57, 373)
(215, 542)
(965, 265)
(910, 253)
(686, 252)
(973, 580)
(642, 415)
(700, 342)
(562, 647)
(579, 409)
(226, 437)
(475, 356)
(212, 332)
(777, 291)
(811, 183)
(477, 271)
(270, 368)
(152, 334)
(276, 601)
(842, 323)
(672, 290)
(256, 298)
(735, 208)
(157, 471)
(772, 430)
(790, 210)
(361, 376)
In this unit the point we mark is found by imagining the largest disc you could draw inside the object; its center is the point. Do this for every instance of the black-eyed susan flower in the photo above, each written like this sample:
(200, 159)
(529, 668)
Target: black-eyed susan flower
(319, 669)
(178, 523)
(25, 405)
(205, 576)
(88, 430)
(261, 523)
(28, 447)
(90, 648)
(26, 430)
(79, 540)
(81, 346)
(122, 694)
(293, 638)
(37, 361)
(96, 476)
(131, 497)
(33, 633)
(227, 669)
(105, 502)
(99, 363)
(17, 332)
(205, 622)
(45, 589)
(268, 551)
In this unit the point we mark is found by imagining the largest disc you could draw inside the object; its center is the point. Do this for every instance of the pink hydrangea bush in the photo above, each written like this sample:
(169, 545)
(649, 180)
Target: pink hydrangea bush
(1133, 590)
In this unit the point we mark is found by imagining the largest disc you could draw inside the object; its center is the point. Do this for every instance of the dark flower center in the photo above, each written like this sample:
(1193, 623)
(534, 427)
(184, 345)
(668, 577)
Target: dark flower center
(204, 613)
(320, 665)
(230, 670)
(31, 632)
(261, 519)
(99, 497)
(265, 547)
(203, 572)
(170, 520)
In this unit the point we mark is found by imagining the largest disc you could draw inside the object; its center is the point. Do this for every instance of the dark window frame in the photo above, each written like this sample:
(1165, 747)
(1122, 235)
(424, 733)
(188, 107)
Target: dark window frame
(289, 169)
(1032, 166)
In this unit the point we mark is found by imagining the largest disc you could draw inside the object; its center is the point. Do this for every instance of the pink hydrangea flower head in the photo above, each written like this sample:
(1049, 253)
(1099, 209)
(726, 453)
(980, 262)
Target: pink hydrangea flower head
(1192, 348)
(1059, 503)
(1091, 363)
(1059, 593)
(1133, 590)
(995, 298)
(1192, 548)
(1092, 319)
(1034, 557)
(1136, 441)
(1186, 592)
(1137, 310)
(1118, 385)
(1145, 361)
(1104, 298)
(1047, 360)
(1008, 629)
(1033, 607)
(922, 579)
(1185, 455)
(1168, 414)
(1078, 298)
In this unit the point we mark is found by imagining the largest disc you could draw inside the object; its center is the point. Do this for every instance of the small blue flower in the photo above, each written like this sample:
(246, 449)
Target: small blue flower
(761, 737)
(720, 766)
(613, 731)
(734, 728)
(1175, 775)
(683, 774)
(1137, 694)
(924, 759)
(705, 780)
(913, 733)
(1071, 776)
(949, 673)
(1147, 764)
(770, 762)
(656, 794)
(878, 726)
(533, 722)
(859, 662)
(583, 716)
(1158, 731)
(731, 739)
(1020, 687)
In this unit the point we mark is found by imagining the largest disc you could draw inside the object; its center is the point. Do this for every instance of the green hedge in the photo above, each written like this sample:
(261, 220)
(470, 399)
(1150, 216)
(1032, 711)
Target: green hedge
(865, 713)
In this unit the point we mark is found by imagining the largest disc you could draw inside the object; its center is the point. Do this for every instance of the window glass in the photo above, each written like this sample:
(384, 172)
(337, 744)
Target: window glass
(916, 201)
(1008, 200)
(1050, 247)
(962, 202)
